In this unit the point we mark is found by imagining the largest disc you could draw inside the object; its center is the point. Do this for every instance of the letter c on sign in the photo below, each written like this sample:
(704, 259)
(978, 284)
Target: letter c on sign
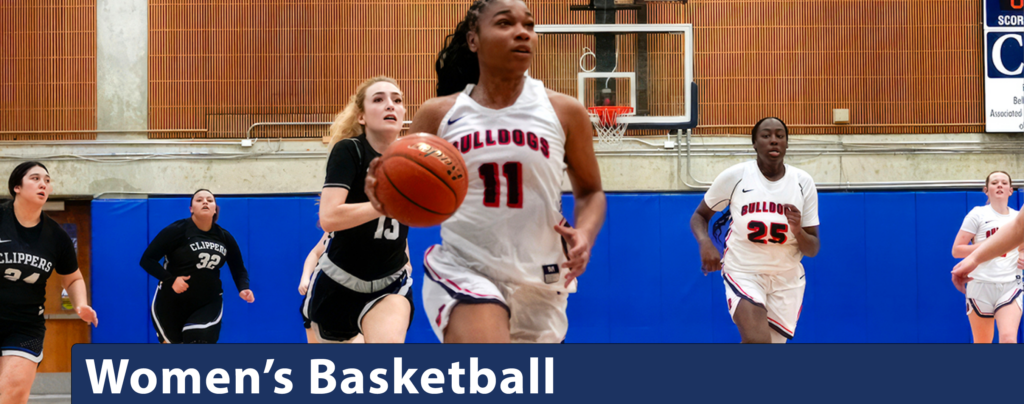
(997, 59)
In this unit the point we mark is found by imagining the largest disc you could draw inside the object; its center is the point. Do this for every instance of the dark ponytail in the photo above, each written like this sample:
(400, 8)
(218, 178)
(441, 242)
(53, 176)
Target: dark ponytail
(456, 65)
(722, 222)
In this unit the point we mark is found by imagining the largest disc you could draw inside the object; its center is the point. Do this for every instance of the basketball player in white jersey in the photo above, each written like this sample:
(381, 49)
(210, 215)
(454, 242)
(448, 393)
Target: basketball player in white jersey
(502, 273)
(774, 212)
(994, 296)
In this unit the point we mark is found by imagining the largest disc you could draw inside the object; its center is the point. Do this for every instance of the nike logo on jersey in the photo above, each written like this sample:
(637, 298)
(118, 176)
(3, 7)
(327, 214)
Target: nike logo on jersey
(5, 241)
(989, 221)
(451, 121)
(747, 190)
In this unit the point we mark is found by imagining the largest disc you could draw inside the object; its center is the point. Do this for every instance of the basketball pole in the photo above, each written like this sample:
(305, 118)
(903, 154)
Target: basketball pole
(604, 50)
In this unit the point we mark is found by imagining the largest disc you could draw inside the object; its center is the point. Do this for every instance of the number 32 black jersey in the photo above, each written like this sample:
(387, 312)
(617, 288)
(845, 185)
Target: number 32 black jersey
(28, 256)
(199, 254)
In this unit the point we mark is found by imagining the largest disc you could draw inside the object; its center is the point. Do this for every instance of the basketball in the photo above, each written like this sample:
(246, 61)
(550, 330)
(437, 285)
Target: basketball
(421, 180)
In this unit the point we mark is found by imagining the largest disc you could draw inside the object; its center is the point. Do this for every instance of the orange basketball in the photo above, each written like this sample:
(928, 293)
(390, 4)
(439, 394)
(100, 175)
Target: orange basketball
(421, 180)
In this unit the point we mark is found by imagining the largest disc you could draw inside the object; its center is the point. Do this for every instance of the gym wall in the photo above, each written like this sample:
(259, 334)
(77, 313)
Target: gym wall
(882, 274)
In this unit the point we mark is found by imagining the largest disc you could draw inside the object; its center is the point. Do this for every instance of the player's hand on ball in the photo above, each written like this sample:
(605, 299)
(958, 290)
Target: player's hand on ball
(303, 286)
(370, 186)
(579, 252)
(88, 315)
(710, 259)
(247, 296)
(794, 217)
(180, 284)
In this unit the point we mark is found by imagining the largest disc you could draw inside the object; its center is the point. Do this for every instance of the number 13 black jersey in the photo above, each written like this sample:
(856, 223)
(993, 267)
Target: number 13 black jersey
(28, 256)
(760, 240)
(199, 254)
(372, 250)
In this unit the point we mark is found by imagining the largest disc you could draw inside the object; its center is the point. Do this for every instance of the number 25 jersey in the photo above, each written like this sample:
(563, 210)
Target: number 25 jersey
(760, 240)
(515, 160)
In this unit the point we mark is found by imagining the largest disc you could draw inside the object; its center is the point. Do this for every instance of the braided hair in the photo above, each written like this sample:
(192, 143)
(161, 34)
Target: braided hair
(456, 65)
(723, 221)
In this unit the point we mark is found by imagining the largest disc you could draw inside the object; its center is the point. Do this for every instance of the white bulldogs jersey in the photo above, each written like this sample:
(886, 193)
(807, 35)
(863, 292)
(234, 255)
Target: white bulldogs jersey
(983, 222)
(515, 160)
(760, 240)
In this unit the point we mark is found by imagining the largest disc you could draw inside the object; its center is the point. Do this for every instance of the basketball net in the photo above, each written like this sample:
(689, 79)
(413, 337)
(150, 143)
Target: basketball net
(609, 131)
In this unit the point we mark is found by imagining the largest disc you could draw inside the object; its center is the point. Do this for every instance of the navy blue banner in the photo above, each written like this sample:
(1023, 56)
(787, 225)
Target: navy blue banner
(1004, 13)
(275, 373)
(1006, 54)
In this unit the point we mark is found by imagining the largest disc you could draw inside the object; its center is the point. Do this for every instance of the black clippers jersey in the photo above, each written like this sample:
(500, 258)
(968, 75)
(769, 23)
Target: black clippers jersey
(199, 254)
(27, 258)
(373, 249)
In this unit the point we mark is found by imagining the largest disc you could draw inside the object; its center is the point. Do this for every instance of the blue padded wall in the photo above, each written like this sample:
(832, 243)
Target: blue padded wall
(118, 285)
(882, 274)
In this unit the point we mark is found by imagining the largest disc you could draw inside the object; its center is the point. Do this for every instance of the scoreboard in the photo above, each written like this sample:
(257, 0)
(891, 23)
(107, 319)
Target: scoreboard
(1004, 66)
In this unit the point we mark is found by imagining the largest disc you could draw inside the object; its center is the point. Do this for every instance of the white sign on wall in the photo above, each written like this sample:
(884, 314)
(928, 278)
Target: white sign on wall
(1004, 65)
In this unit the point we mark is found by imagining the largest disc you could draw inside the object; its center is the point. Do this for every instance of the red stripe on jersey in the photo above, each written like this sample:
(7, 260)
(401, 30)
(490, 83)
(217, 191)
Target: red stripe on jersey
(740, 288)
(448, 281)
(781, 326)
(439, 311)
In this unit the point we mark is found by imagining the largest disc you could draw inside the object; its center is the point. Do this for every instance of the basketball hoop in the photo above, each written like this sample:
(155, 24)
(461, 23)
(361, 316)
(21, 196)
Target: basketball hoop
(609, 131)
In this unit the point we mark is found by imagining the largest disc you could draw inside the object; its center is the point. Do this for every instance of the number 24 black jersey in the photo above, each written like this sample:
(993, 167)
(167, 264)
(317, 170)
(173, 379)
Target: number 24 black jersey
(28, 256)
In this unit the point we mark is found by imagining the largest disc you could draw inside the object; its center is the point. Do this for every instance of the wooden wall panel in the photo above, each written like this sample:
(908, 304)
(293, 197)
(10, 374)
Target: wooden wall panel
(63, 333)
(900, 66)
(47, 69)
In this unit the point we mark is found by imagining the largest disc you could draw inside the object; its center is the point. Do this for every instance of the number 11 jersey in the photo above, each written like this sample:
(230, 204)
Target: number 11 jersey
(760, 240)
(515, 158)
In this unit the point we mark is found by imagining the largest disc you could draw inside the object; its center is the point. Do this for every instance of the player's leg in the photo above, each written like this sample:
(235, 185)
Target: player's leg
(386, 319)
(167, 320)
(16, 376)
(1008, 315)
(752, 322)
(982, 328)
(745, 298)
(980, 311)
(784, 301)
(317, 335)
(203, 326)
(463, 305)
(540, 315)
(457, 318)
(20, 354)
(478, 323)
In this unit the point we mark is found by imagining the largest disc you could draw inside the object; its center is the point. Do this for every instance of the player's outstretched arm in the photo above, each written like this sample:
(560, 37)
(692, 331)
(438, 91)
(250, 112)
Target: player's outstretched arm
(310, 264)
(237, 266)
(710, 259)
(1007, 238)
(74, 283)
(585, 176)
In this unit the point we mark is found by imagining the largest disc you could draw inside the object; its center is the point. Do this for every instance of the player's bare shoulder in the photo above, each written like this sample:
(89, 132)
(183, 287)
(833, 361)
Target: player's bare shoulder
(565, 104)
(569, 111)
(428, 117)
